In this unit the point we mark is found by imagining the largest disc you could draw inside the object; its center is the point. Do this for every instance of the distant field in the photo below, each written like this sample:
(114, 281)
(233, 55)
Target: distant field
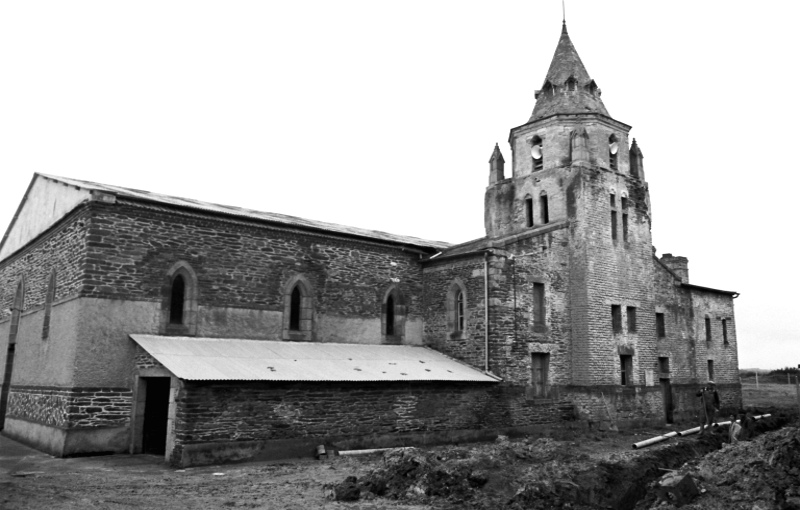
(769, 395)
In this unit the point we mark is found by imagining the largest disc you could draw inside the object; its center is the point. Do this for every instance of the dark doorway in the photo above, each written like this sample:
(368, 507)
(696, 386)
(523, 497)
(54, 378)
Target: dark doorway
(156, 409)
(6, 384)
(666, 392)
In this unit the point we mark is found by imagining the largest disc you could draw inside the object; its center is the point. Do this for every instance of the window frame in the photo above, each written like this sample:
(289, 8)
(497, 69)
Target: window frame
(188, 324)
(304, 314)
(540, 363)
(630, 312)
(661, 325)
(397, 315)
(49, 297)
(616, 319)
(626, 369)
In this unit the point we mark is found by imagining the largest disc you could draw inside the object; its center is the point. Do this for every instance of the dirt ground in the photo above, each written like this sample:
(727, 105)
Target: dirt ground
(141, 481)
(593, 470)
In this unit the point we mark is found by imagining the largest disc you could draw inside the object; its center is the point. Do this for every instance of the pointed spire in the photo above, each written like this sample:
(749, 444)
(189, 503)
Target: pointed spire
(567, 88)
(496, 164)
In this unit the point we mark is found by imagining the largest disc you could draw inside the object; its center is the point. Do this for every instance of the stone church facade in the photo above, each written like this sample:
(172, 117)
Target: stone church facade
(136, 322)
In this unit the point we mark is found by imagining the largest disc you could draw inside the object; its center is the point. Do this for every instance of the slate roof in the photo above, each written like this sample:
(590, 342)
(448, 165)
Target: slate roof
(567, 63)
(223, 359)
(282, 219)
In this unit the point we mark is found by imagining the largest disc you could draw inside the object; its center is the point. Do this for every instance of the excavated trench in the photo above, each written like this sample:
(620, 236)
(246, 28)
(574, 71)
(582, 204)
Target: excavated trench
(518, 477)
(621, 485)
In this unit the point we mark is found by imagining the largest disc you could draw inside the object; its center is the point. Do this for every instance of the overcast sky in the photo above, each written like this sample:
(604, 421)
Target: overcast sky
(383, 115)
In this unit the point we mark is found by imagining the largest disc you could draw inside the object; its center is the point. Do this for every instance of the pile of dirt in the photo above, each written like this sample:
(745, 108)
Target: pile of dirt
(762, 474)
(461, 476)
(545, 473)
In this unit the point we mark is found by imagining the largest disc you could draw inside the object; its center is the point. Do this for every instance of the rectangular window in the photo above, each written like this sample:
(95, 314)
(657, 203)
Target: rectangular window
(661, 327)
(545, 213)
(631, 310)
(725, 331)
(614, 225)
(663, 365)
(616, 318)
(626, 369)
(624, 202)
(625, 226)
(539, 307)
(708, 330)
(710, 370)
(529, 212)
(613, 200)
(540, 366)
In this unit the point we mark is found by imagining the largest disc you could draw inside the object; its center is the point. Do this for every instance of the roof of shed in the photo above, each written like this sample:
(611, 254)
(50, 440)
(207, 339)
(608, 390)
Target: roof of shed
(223, 359)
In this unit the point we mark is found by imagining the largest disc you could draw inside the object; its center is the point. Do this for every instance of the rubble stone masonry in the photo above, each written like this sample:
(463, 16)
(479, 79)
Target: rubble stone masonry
(71, 407)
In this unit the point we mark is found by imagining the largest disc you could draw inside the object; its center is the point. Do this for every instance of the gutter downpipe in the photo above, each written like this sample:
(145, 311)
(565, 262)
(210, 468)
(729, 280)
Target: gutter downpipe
(486, 310)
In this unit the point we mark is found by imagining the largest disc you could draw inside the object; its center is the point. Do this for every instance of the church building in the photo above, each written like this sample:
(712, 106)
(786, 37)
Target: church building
(137, 322)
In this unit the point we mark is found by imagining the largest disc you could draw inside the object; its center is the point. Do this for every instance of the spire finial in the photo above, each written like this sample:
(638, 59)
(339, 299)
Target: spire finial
(563, 13)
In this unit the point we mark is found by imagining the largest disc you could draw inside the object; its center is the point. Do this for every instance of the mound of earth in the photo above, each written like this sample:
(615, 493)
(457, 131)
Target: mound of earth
(762, 474)
(544, 474)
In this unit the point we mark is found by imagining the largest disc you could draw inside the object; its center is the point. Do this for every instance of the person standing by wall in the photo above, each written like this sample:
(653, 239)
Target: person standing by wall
(709, 401)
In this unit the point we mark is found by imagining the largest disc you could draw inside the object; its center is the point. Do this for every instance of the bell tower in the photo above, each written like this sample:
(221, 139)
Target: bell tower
(568, 129)
(572, 169)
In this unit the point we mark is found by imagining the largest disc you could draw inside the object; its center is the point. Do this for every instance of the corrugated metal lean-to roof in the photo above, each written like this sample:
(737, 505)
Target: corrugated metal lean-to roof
(219, 359)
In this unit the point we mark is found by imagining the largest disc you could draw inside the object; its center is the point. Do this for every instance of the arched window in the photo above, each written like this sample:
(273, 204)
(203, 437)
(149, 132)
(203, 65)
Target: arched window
(571, 84)
(48, 305)
(459, 318)
(457, 310)
(390, 315)
(528, 211)
(393, 316)
(179, 305)
(537, 153)
(294, 309)
(544, 208)
(298, 311)
(613, 150)
(177, 300)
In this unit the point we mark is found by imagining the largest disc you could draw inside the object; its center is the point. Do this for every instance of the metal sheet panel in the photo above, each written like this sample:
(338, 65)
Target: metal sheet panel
(220, 359)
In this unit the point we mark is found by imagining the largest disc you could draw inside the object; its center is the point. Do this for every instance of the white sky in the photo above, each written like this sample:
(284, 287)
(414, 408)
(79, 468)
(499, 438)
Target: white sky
(383, 115)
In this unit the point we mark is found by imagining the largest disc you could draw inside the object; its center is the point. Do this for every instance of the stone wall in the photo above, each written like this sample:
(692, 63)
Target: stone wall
(71, 407)
(244, 265)
(679, 344)
(62, 249)
(717, 307)
(441, 277)
(225, 412)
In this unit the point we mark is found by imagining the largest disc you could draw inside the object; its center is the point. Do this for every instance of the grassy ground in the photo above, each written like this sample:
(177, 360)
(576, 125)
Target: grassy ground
(769, 395)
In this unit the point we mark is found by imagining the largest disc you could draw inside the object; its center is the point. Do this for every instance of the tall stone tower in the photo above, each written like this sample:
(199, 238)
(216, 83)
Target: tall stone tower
(572, 166)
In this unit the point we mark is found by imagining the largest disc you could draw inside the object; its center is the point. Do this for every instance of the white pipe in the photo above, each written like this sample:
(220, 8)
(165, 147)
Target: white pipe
(373, 450)
(654, 440)
(697, 429)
